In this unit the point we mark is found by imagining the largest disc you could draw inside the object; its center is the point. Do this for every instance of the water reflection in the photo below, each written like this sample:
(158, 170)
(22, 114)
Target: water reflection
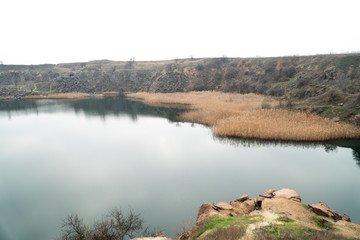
(120, 105)
(328, 146)
(103, 107)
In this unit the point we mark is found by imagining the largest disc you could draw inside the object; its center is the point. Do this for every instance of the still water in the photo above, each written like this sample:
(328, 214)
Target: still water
(59, 157)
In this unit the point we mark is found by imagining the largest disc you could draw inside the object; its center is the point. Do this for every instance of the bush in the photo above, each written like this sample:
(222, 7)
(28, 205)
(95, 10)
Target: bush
(290, 72)
(231, 73)
(277, 91)
(333, 95)
(200, 67)
(302, 82)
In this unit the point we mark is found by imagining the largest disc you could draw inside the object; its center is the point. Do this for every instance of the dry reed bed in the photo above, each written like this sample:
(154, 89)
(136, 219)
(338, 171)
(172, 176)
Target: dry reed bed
(237, 115)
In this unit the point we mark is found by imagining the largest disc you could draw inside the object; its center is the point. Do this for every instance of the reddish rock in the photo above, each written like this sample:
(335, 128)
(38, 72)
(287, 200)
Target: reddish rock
(205, 211)
(268, 193)
(322, 209)
(242, 198)
(222, 206)
(345, 217)
(248, 206)
(288, 194)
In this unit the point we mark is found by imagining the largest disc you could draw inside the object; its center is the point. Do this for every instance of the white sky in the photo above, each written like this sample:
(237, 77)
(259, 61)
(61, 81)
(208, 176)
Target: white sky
(55, 31)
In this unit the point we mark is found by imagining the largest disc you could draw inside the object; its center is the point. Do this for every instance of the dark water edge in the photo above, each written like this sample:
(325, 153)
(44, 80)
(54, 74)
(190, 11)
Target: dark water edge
(100, 107)
(328, 146)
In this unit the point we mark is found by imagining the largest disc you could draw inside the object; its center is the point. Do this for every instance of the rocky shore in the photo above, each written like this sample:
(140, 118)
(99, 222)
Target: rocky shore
(272, 215)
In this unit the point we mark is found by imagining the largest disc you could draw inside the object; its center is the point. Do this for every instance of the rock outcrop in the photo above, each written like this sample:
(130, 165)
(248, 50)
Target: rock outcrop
(205, 211)
(269, 209)
(246, 205)
(323, 209)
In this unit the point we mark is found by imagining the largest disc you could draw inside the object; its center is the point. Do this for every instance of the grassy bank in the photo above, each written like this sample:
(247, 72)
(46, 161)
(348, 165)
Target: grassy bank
(252, 116)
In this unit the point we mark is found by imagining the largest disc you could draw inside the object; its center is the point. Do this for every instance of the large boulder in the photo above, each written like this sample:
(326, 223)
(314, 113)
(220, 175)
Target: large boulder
(222, 206)
(288, 194)
(248, 206)
(322, 209)
(205, 211)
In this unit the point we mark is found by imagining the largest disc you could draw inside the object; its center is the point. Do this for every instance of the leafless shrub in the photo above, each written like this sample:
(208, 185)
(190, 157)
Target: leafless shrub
(184, 228)
(115, 226)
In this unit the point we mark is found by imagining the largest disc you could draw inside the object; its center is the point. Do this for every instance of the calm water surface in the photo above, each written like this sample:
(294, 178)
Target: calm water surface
(59, 157)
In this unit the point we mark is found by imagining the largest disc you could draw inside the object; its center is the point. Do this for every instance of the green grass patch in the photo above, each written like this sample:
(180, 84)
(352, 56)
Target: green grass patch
(321, 223)
(289, 220)
(218, 222)
(284, 231)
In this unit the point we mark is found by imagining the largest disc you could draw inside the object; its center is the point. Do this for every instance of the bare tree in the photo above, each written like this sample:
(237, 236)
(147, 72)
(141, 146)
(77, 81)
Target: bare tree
(73, 228)
(115, 226)
(125, 225)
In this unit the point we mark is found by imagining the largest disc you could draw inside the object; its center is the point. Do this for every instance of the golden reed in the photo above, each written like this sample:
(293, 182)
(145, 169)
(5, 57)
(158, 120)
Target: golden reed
(240, 115)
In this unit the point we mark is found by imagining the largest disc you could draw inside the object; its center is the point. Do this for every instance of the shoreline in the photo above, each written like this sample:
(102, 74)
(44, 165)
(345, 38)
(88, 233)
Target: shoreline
(283, 210)
(69, 95)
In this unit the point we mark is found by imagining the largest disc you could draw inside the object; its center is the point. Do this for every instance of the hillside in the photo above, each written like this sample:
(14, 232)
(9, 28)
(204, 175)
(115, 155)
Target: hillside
(326, 84)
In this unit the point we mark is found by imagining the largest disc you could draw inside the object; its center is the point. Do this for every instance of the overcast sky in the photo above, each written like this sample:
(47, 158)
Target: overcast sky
(55, 31)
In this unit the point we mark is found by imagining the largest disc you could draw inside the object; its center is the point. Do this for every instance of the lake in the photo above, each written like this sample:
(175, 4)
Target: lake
(88, 156)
